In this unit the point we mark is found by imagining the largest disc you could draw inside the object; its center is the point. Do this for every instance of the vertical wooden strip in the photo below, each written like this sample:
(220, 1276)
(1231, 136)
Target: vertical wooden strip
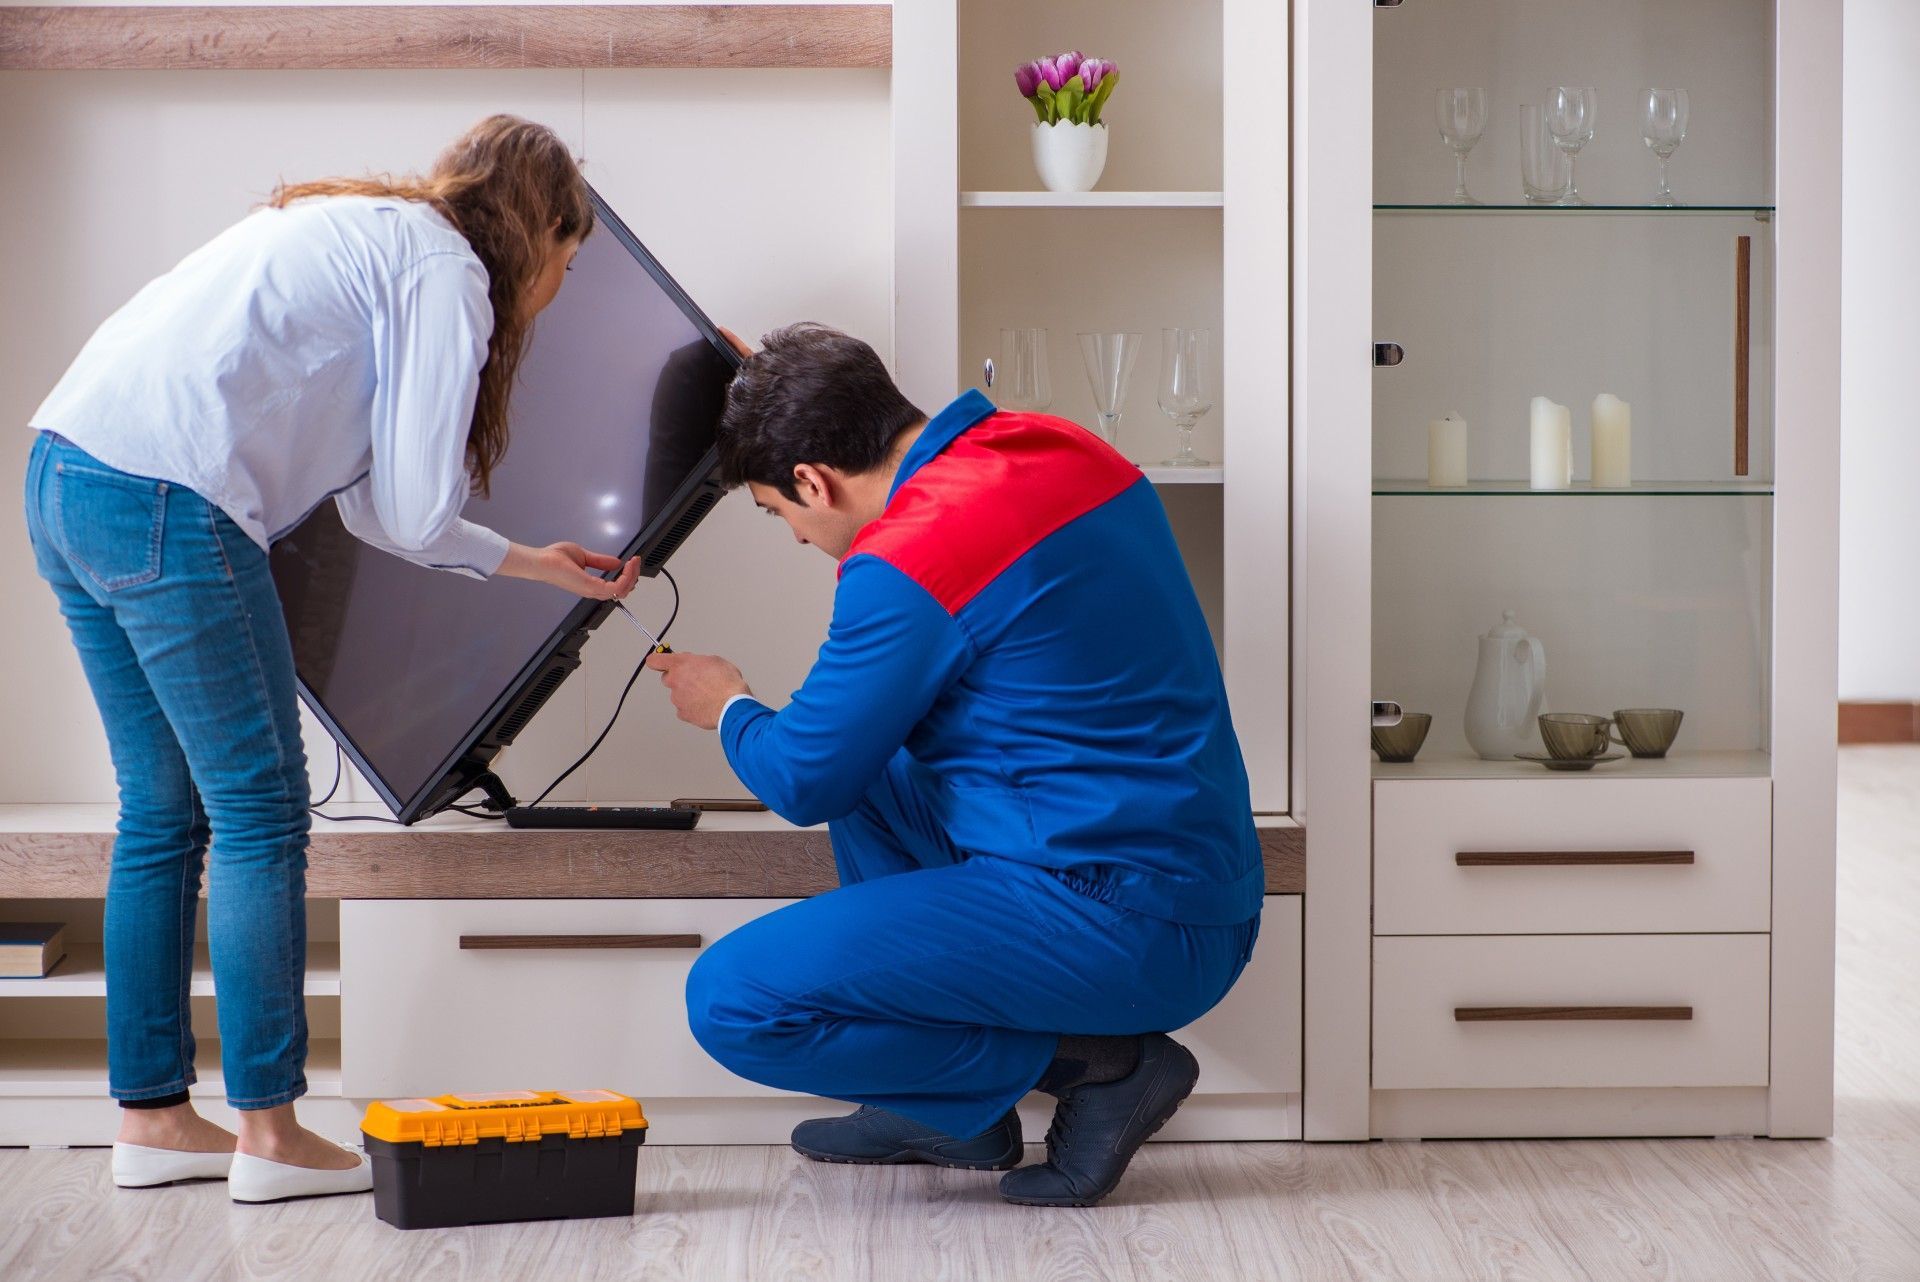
(1742, 346)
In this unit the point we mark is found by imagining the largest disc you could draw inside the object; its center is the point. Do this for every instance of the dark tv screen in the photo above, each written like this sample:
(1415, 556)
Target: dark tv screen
(416, 671)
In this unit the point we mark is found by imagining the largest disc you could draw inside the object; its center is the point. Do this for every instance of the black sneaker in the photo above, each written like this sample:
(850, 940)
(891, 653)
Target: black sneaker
(874, 1137)
(1098, 1127)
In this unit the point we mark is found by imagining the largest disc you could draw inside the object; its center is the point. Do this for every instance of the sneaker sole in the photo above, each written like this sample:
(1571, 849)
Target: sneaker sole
(908, 1157)
(1165, 1116)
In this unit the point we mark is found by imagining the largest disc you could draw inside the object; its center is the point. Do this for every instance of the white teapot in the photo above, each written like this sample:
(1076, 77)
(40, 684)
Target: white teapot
(1509, 691)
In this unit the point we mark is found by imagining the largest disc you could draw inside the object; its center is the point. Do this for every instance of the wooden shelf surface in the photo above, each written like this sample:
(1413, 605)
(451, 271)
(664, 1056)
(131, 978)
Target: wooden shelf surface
(61, 852)
(320, 37)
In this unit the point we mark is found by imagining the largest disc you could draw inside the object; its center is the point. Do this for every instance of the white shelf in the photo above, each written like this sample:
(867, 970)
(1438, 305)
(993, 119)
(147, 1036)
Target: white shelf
(1579, 489)
(84, 974)
(1091, 200)
(1677, 765)
(70, 1067)
(1185, 475)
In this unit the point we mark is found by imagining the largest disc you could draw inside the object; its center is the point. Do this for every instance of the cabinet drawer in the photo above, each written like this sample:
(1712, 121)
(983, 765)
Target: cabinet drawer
(1571, 1010)
(1571, 855)
(600, 1002)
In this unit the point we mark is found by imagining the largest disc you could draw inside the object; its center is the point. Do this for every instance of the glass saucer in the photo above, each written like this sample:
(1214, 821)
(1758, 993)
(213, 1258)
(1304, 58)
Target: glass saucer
(1568, 763)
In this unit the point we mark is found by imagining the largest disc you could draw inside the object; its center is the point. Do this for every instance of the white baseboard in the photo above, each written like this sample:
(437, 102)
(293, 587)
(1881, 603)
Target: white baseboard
(1515, 1114)
(27, 1121)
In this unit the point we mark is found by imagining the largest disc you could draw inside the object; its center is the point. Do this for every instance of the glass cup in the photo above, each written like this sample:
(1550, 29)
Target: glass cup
(1022, 378)
(1663, 127)
(1109, 360)
(1573, 736)
(1401, 743)
(1461, 115)
(1546, 172)
(1186, 387)
(1648, 732)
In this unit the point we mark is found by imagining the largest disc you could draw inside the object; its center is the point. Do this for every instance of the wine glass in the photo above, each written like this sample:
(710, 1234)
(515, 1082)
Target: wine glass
(1025, 381)
(1109, 359)
(1664, 128)
(1462, 117)
(1185, 390)
(1571, 116)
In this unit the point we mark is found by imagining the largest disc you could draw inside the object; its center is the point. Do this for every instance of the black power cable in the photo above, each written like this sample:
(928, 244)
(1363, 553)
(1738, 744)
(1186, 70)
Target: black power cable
(660, 638)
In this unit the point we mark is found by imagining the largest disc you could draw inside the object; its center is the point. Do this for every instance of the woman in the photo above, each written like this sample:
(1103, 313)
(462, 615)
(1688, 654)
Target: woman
(354, 340)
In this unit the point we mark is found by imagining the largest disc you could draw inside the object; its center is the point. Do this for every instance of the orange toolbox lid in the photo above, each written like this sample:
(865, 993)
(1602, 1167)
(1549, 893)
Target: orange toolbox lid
(508, 1115)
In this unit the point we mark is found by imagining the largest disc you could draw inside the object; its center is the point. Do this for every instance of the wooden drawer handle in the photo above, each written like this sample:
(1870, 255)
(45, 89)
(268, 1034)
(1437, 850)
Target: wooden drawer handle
(579, 941)
(1567, 858)
(1492, 1014)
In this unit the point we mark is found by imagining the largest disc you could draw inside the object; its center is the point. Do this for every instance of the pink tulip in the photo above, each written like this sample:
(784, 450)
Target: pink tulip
(1026, 77)
(1068, 62)
(1051, 73)
(1094, 70)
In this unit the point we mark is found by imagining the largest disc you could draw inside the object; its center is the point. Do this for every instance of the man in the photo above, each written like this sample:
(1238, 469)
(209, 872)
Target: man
(1017, 733)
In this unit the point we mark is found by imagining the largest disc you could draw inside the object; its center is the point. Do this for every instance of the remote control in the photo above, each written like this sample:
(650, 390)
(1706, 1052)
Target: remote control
(669, 817)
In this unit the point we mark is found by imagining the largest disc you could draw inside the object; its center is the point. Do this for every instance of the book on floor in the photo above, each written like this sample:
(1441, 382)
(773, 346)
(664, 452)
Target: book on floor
(29, 949)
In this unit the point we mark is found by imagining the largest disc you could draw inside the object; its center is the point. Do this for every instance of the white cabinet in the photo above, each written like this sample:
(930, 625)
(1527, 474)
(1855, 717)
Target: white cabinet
(1705, 584)
(1532, 1011)
(490, 994)
(1585, 856)
(441, 995)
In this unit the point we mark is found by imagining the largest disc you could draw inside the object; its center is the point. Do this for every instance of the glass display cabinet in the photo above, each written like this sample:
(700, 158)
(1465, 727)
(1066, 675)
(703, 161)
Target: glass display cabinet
(1599, 435)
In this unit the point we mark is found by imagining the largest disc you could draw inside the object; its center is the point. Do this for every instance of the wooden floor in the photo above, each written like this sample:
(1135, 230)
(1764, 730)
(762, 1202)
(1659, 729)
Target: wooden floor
(1688, 1210)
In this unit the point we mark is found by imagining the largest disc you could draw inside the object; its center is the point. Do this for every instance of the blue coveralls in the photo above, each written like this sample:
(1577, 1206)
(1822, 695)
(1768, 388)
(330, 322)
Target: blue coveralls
(1018, 735)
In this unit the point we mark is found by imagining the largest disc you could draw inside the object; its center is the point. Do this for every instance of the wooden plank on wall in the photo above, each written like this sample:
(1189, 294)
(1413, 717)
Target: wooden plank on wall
(410, 37)
(1897, 722)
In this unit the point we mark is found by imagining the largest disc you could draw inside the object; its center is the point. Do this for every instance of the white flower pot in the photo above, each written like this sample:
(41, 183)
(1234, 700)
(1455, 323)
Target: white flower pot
(1069, 157)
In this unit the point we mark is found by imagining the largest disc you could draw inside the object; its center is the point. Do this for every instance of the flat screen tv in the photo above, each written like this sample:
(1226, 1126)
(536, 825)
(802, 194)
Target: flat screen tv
(422, 676)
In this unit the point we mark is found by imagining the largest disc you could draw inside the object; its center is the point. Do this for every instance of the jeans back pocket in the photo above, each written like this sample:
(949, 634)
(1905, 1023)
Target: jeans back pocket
(110, 523)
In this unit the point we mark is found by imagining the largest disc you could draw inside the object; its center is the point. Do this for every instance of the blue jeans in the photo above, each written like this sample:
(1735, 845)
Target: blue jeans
(179, 629)
(937, 984)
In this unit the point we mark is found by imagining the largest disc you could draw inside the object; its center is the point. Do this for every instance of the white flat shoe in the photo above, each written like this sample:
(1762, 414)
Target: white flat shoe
(138, 1167)
(255, 1179)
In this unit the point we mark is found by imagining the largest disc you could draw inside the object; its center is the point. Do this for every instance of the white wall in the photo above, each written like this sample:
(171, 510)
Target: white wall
(1880, 429)
(767, 193)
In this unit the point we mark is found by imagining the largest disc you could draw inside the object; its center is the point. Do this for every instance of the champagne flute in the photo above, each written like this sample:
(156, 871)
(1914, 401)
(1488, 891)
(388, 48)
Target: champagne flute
(1027, 383)
(1571, 116)
(1185, 389)
(1461, 115)
(1664, 128)
(1109, 359)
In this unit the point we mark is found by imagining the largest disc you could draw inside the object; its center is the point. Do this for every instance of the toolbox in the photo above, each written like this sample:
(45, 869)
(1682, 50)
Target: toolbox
(511, 1155)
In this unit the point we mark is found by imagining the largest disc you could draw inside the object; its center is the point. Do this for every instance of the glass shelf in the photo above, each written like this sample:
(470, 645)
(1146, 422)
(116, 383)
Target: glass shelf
(1761, 212)
(1183, 475)
(1580, 489)
(1091, 200)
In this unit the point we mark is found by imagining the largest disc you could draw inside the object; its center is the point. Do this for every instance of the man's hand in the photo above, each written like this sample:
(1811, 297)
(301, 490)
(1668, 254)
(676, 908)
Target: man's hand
(700, 685)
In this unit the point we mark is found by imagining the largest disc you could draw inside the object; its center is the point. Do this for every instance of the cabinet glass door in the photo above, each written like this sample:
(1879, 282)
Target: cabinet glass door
(1630, 542)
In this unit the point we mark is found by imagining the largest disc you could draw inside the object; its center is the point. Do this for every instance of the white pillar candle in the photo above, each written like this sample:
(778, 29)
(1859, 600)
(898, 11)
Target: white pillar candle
(1447, 451)
(1551, 426)
(1612, 442)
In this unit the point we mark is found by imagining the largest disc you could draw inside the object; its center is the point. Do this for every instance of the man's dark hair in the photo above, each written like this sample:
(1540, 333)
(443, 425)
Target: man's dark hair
(810, 395)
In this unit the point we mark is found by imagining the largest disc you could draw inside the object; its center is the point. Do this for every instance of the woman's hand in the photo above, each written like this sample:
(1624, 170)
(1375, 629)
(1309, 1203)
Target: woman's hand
(570, 566)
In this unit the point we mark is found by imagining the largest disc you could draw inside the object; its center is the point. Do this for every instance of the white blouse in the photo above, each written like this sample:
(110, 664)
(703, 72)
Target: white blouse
(331, 349)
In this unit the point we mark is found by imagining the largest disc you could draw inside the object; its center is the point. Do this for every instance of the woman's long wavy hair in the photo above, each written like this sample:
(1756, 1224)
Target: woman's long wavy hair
(513, 190)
